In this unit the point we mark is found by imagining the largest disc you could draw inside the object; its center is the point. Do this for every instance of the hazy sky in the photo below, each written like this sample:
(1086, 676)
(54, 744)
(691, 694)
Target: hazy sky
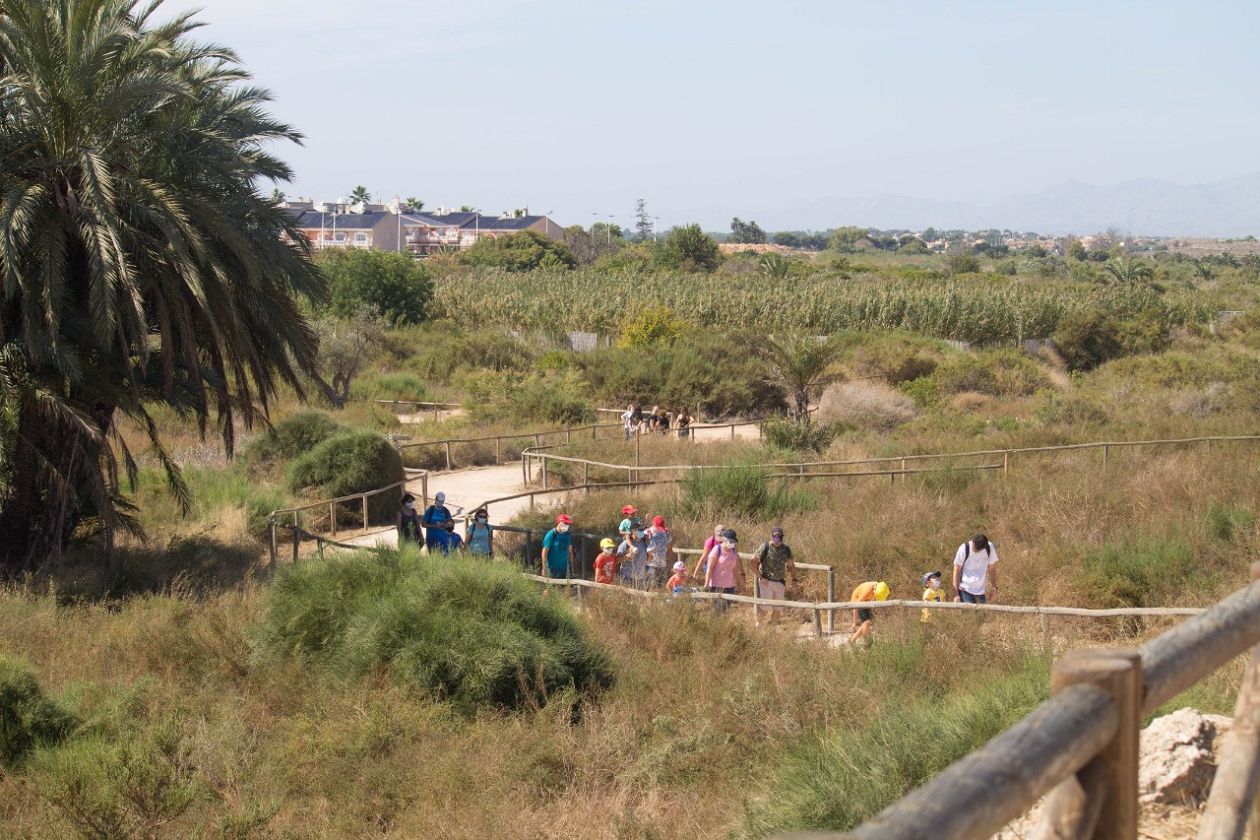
(713, 109)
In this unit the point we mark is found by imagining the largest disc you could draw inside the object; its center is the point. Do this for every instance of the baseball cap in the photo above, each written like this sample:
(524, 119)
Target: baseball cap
(658, 521)
(729, 534)
(607, 543)
(680, 566)
(563, 519)
(776, 531)
(629, 510)
(881, 591)
(929, 576)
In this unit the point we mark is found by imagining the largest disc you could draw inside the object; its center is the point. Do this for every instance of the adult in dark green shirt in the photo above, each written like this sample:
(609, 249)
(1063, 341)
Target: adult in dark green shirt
(557, 551)
(774, 563)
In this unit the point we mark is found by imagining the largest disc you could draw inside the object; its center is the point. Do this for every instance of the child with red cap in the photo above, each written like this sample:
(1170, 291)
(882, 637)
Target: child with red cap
(659, 540)
(557, 550)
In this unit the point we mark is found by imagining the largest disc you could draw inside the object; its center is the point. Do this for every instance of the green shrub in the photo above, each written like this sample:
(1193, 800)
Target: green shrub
(28, 719)
(1058, 409)
(395, 385)
(439, 351)
(799, 437)
(351, 462)
(652, 325)
(553, 397)
(688, 248)
(837, 780)
(1229, 523)
(1145, 574)
(1000, 373)
(741, 490)
(473, 634)
(922, 390)
(524, 251)
(701, 368)
(394, 286)
(1086, 339)
(296, 434)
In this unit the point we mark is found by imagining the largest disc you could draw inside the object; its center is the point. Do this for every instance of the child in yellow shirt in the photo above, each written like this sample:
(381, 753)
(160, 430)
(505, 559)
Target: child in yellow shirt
(932, 592)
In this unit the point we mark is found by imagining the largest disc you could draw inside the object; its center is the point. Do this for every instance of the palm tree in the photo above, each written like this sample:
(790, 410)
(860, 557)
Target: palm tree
(140, 263)
(360, 195)
(278, 196)
(774, 266)
(413, 205)
(1204, 270)
(1128, 271)
(803, 365)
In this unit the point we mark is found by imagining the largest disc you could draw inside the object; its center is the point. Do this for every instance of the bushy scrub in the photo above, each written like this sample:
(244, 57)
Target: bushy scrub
(999, 373)
(395, 385)
(555, 397)
(866, 405)
(652, 325)
(475, 634)
(799, 437)
(394, 286)
(1146, 574)
(1087, 338)
(1230, 523)
(28, 718)
(351, 462)
(438, 351)
(296, 434)
(705, 368)
(742, 490)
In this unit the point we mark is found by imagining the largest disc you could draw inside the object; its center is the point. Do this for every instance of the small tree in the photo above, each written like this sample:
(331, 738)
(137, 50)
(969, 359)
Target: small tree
(803, 365)
(642, 221)
(690, 249)
(746, 233)
(344, 347)
(1128, 271)
(774, 266)
(413, 205)
(360, 195)
(845, 239)
(524, 251)
(394, 286)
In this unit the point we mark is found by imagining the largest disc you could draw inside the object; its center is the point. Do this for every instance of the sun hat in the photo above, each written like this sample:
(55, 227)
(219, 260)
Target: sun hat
(729, 534)
(440, 498)
(563, 519)
(658, 521)
(629, 510)
(607, 543)
(929, 576)
(680, 566)
(881, 591)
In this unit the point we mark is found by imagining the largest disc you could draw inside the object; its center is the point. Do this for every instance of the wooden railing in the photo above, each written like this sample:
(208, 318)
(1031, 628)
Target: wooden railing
(536, 460)
(1081, 745)
(447, 443)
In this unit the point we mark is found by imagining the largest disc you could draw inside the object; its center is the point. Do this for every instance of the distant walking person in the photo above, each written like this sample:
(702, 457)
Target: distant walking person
(628, 420)
(703, 563)
(434, 520)
(633, 555)
(454, 542)
(409, 522)
(659, 540)
(480, 534)
(975, 572)
(557, 552)
(682, 419)
(774, 564)
(931, 592)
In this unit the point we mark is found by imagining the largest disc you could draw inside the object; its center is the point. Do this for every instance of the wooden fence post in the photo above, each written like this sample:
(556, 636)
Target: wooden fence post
(332, 517)
(297, 541)
(448, 455)
(271, 541)
(424, 488)
(365, 512)
(544, 473)
(831, 598)
(498, 450)
(1006, 463)
(568, 436)
(732, 431)
(1233, 803)
(1100, 802)
(586, 476)
(1105, 452)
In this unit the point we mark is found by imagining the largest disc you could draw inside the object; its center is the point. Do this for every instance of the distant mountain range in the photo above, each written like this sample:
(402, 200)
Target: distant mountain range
(1228, 208)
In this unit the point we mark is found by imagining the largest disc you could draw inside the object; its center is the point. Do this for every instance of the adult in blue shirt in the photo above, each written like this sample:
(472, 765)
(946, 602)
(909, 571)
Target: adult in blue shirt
(557, 551)
(434, 520)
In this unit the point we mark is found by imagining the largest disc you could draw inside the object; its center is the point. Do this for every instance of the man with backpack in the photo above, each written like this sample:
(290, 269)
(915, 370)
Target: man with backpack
(975, 572)
(774, 562)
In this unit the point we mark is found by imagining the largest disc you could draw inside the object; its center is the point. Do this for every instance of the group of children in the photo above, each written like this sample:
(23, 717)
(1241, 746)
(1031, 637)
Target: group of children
(641, 558)
(637, 421)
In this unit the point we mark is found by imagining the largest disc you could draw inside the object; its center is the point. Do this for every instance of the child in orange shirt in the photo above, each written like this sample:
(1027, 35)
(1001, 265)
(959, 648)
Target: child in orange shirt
(606, 562)
(678, 583)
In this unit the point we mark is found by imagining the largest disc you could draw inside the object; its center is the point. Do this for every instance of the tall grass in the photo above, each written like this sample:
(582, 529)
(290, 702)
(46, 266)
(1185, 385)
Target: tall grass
(840, 778)
(742, 490)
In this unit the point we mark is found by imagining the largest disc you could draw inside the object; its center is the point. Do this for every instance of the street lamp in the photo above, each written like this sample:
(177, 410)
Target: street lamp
(656, 227)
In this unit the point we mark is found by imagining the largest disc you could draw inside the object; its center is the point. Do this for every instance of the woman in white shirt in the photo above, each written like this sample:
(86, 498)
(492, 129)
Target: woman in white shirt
(975, 575)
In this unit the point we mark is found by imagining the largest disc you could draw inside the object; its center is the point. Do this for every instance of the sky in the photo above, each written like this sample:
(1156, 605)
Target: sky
(709, 110)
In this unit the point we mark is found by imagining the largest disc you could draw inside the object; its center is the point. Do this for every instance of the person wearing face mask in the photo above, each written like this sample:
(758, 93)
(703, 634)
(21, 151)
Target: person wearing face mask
(408, 522)
(434, 520)
(480, 536)
(557, 551)
(725, 565)
(932, 592)
(774, 564)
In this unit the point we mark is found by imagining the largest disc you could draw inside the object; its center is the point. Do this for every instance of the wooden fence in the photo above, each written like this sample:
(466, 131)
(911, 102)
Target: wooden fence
(890, 466)
(446, 445)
